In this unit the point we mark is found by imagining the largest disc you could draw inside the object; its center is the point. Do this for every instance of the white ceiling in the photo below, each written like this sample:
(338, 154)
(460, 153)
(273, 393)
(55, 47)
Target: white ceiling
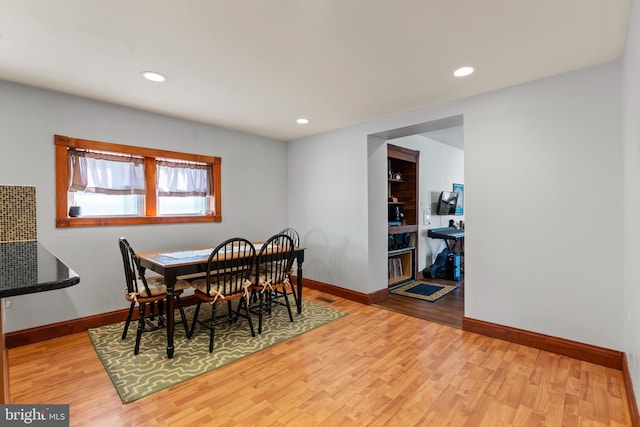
(257, 65)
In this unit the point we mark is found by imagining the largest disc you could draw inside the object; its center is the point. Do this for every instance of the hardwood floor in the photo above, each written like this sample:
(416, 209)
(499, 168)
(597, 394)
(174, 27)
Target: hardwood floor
(447, 310)
(372, 367)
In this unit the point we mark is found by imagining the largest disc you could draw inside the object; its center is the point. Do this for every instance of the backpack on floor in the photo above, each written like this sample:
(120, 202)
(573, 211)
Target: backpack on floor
(438, 266)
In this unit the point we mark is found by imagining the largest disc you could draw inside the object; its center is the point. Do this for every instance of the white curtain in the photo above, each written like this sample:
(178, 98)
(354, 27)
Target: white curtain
(183, 179)
(106, 173)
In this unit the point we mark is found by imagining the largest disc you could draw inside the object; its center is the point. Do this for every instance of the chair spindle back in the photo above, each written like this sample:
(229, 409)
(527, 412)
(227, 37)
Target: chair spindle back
(275, 259)
(230, 267)
(132, 271)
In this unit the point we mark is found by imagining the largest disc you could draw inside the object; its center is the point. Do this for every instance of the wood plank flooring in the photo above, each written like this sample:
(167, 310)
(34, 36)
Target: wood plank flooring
(447, 310)
(372, 367)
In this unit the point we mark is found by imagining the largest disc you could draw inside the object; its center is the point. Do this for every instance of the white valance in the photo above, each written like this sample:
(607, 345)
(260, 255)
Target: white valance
(183, 179)
(106, 173)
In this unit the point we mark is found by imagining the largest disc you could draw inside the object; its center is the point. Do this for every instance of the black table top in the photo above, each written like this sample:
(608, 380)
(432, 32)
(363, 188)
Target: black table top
(29, 267)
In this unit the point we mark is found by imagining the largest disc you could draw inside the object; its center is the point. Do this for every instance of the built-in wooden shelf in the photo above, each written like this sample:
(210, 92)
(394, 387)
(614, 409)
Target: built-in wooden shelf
(404, 162)
(397, 229)
(401, 266)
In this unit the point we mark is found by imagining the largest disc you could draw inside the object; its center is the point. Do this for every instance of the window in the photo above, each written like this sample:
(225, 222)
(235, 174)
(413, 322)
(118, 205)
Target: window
(106, 184)
(116, 184)
(183, 187)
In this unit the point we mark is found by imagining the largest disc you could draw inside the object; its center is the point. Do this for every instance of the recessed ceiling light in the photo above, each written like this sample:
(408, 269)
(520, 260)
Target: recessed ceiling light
(153, 76)
(463, 71)
(302, 121)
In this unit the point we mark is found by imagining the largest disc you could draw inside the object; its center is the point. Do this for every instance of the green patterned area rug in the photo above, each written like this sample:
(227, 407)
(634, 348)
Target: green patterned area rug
(150, 371)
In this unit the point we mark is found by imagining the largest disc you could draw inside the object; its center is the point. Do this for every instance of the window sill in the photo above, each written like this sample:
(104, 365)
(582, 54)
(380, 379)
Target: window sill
(133, 220)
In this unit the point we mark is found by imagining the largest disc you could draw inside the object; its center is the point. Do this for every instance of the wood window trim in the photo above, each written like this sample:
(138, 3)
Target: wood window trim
(63, 143)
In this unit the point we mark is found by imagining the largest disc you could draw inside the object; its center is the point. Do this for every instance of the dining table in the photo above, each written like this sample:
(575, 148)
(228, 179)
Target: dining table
(192, 261)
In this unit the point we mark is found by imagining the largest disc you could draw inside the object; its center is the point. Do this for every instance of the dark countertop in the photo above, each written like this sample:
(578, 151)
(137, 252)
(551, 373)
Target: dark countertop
(29, 267)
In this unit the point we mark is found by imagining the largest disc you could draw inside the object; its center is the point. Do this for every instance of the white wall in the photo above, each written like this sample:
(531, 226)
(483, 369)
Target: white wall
(545, 262)
(254, 192)
(631, 225)
(329, 186)
(441, 165)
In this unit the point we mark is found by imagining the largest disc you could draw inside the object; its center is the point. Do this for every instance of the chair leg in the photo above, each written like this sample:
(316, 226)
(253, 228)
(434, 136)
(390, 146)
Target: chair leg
(243, 302)
(128, 321)
(184, 317)
(212, 326)
(230, 312)
(286, 300)
(293, 290)
(152, 311)
(161, 313)
(248, 301)
(260, 309)
(269, 301)
(195, 318)
(141, 307)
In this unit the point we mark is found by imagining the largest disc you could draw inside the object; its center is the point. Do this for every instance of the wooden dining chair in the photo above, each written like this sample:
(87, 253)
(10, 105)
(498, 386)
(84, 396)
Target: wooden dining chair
(228, 278)
(145, 292)
(291, 232)
(271, 281)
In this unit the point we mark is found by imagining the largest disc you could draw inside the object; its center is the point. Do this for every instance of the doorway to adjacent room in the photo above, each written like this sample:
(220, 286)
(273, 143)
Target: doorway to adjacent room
(441, 159)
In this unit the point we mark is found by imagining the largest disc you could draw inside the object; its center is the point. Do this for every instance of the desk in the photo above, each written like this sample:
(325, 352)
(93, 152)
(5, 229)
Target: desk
(446, 234)
(26, 268)
(194, 260)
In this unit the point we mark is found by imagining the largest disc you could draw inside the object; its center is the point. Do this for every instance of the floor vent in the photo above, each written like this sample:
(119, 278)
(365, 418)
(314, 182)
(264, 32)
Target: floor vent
(324, 299)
